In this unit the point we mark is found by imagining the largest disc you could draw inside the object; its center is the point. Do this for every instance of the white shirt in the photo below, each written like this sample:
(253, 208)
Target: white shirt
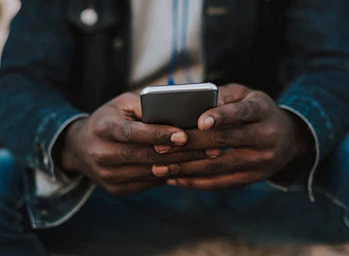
(152, 41)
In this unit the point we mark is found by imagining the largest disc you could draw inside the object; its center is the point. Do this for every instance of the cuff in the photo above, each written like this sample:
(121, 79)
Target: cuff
(50, 183)
(48, 132)
(314, 161)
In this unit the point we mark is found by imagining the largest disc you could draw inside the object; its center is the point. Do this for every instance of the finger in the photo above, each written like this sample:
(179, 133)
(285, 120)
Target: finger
(119, 124)
(135, 107)
(233, 93)
(129, 131)
(122, 154)
(232, 161)
(126, 173)
(162, 148)
(129, 103)
(211, 152)
(241, 136)
(131, 187)
(242, 112)
(224, 181)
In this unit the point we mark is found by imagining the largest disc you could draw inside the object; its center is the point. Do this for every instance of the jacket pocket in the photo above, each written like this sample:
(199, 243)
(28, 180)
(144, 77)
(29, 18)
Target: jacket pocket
(93, 16)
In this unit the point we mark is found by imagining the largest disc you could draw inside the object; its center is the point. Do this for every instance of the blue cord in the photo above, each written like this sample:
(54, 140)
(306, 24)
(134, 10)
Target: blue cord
(174, 50)
(173, 60)
(185, 54)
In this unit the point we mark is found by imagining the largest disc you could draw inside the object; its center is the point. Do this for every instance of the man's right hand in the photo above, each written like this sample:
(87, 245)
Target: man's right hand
(116, 150)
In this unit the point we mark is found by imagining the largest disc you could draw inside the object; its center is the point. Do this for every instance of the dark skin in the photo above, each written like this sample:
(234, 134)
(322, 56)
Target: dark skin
(116, 150)
(263, 139)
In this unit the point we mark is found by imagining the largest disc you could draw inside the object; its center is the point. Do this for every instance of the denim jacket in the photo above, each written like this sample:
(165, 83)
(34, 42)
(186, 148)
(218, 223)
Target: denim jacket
(56, 68)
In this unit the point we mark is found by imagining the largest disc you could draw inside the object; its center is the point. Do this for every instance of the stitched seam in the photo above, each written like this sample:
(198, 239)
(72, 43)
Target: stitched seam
(55, 137)
(337, 202)
(41, 129)
(321, 111)
(39, 224)
(317, 149)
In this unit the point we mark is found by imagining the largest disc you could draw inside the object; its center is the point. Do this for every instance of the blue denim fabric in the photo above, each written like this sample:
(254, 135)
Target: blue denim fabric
(157, 220)
(38, 64)
(15, 239)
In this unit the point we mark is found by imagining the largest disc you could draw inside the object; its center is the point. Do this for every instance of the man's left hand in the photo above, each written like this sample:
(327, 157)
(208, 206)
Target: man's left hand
(261, 139)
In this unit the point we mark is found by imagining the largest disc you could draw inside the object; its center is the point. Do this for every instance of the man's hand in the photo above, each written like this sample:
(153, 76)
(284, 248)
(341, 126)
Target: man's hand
(116, 151)
(261, 137)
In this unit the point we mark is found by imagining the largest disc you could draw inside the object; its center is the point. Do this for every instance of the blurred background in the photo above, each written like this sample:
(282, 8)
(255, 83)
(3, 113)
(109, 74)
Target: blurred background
(9, 8)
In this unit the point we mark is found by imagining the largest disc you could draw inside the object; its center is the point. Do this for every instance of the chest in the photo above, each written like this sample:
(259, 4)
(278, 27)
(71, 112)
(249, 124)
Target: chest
(236, 36)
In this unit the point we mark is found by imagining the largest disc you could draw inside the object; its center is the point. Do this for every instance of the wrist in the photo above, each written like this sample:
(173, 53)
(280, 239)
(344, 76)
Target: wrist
(302, 137)
(64, 151)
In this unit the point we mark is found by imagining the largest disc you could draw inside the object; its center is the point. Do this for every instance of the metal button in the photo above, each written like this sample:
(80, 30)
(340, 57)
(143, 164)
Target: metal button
(217, 10)
(118, 43)
(44, 156)
(45, 160)
(89, 17)
(43, 212)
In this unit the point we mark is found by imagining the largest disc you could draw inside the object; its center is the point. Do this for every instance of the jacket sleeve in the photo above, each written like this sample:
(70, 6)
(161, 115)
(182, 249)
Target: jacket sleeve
(37, 63)
(315, 71)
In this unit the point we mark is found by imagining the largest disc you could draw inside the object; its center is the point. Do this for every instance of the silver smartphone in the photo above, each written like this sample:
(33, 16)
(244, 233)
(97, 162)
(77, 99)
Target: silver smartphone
(177, 105)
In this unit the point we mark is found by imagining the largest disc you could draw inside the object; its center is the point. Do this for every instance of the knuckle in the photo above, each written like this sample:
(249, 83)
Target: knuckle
(216, 167)
(194, 155)
(156, 135)
(263, 100)
(110, 127)
(99, 126)
(247, 135)
(241, 110)
(93, 154)
(128, 154)
(220, 116)
(126, 132)
(249, 110)
(100, 158)
(264, 106)
(153, 157)
(223, 138)
(239, 164)
(270, 133)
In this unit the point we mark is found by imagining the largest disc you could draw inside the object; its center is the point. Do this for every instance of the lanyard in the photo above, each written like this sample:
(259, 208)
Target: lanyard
(184, 57)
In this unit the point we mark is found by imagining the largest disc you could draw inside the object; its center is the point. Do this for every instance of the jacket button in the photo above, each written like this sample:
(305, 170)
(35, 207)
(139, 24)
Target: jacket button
(217, 10)
(118, 43)
(89, 17)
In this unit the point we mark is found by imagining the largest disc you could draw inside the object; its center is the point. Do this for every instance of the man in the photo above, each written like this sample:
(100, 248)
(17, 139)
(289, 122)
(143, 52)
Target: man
(283, 70)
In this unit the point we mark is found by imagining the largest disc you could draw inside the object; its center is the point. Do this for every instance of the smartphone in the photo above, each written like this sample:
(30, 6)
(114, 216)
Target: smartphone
(177, 105)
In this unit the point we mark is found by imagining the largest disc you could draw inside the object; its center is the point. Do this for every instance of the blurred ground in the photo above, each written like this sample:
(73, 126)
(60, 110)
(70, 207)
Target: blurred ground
(8, 9)
(241, 248)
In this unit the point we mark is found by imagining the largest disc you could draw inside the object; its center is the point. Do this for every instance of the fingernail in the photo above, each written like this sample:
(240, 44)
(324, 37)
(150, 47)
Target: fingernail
(162, 148)
(179, 138)
(172, 182)
(160, 171)
(213, 153)
(208, 122)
